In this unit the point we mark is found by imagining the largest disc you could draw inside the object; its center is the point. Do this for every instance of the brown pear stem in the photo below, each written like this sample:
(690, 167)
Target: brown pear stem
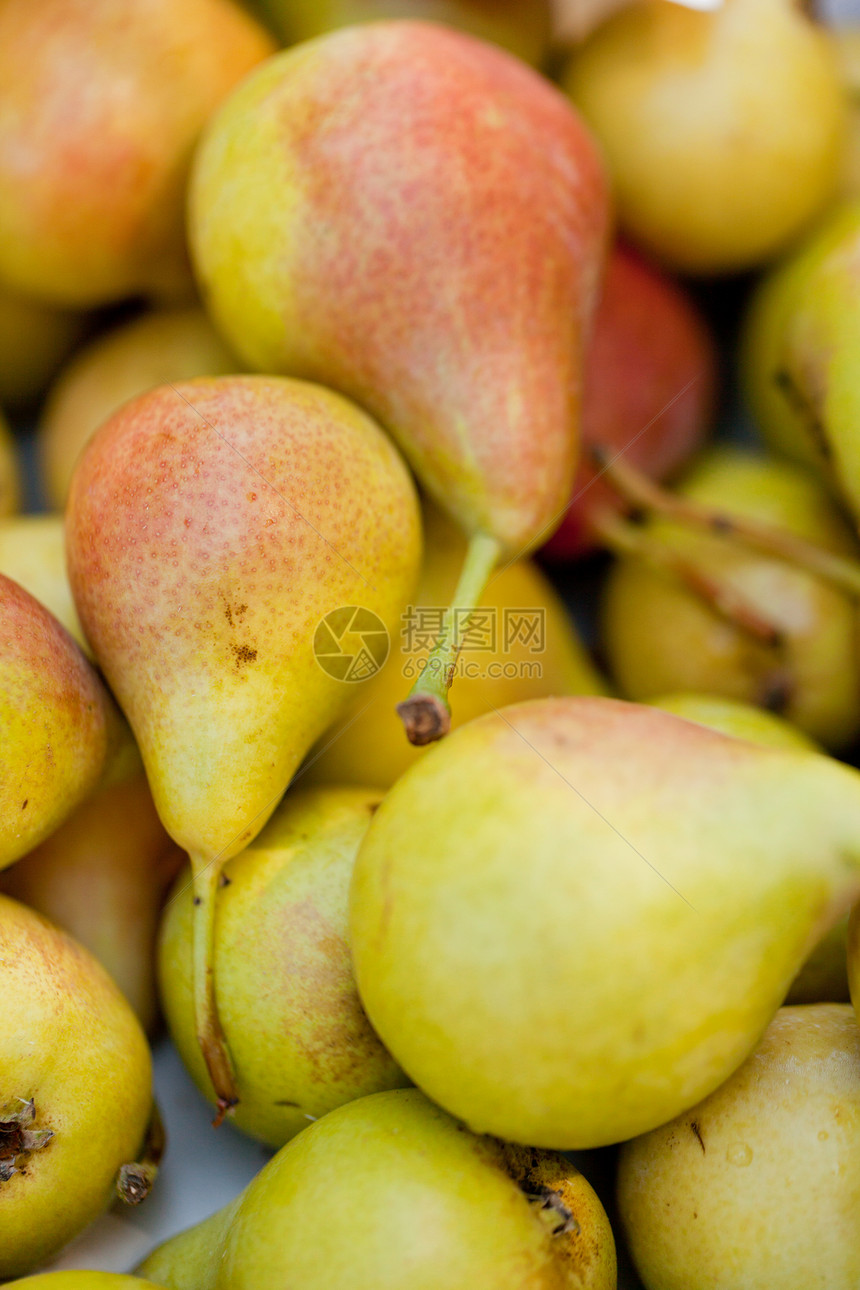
(643, 493)
(135, 1181)
(627, 538)
(210, 1036)
(425, 712)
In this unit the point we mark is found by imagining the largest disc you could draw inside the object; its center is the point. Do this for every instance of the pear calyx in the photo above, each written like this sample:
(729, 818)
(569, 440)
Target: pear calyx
(17, 1138)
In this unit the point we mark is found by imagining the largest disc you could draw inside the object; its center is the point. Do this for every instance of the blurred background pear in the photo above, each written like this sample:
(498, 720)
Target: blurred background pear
(723, 131)
(10, 472)
(33, 553)
(34, 340)
(154, 349)
(528, 647)
(661, 635)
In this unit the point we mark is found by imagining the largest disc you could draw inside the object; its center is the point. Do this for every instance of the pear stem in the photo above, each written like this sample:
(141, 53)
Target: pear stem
(210, 1036)
(425, 712)
(626, 538)
(135, 1181)
(641, 492)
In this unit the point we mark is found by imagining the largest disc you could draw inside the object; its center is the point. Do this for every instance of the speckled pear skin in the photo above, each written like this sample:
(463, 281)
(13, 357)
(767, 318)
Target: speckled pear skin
(211, 525)
(58, 724)
(416, 219)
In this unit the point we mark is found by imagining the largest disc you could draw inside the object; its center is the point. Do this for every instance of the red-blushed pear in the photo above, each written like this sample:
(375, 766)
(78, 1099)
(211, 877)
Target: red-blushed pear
(102, 104)
(650, 377)
(59, 728)
(211, 527)
(418, 220)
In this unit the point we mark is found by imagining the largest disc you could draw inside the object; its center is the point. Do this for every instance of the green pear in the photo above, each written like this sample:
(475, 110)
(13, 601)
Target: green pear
(233, 544)
(621, 895)
(75, 1088)
(708, 1200)
(415, 1200)
(160, 346)
(59, 728)
(82, 1281)
(521, 28)
(823, 978)
(661, 635)
(300, 1042)
(671, 95)
(102, 876)
(460, 328)
(33, 554)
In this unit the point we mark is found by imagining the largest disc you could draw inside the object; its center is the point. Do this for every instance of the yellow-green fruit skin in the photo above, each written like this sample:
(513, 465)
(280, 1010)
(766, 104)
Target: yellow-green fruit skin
(854, 958)
(659, 636)
(517, 881)
(545, 657)
(71, 1043)
(33, 554)
(418, 1202)
(723, 131)
(300, 1042)
(757, 1187)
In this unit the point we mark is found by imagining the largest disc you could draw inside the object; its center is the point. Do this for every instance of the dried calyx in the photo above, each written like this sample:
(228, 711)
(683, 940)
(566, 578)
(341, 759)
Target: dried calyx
(18, 1137)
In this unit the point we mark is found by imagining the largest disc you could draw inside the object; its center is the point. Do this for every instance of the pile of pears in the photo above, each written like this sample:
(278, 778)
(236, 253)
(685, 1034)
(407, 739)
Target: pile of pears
(435, 862)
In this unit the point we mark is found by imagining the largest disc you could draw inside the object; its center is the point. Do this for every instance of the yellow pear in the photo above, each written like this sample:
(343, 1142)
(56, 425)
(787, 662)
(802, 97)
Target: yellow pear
(102, 876)
(75, 1088)
(709, 1199)
(300, 1042)
(160, 346)
(420, 1202)
(575, 917)
(81, 1281)
(524, 647)
(33, 554)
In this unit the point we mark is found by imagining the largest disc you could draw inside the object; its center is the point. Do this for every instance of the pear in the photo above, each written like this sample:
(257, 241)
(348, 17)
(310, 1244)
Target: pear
(97, 124)
(846, 40)
(854, 958)
(706, 1200)
(419, 1202)
(300, 1042)
(650, 385)
(521, 28)
(34, 340)
(75, 1089)
(462, 327)
(10, 474)
(525, 647)
(82, 1281)
(671, 93)
(515, 884)
(823, 978)
(161, 346)
(102, 876)
(33, 554)
(59, 728)
(799, 654)
(262, 517)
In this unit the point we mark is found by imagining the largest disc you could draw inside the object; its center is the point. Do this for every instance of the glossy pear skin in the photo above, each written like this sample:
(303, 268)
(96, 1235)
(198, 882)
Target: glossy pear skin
(703, 1199)
(95, 137)
(277, 502)
(659, 635)
(72, 1045)
(462, 331)
(390, 1166)
(102, 877)
(367, 745)
(287, 999)
(650, 377)
(670, 94)
(521, 28)
(82, 1281)
(158, 348)
(33, 554)
(59, 727)
(514, 882)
